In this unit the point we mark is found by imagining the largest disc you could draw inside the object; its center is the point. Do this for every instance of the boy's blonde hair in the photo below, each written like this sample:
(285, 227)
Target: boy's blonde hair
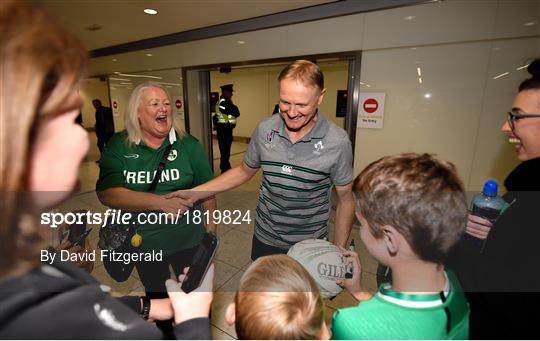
(278, 299)
(419, 196)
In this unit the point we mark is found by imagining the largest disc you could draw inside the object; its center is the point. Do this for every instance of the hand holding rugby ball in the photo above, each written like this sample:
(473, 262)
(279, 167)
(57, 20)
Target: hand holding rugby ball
(323, 261)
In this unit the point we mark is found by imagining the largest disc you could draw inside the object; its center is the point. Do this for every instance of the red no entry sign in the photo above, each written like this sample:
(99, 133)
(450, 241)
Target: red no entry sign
(178, 104)
(371, 105)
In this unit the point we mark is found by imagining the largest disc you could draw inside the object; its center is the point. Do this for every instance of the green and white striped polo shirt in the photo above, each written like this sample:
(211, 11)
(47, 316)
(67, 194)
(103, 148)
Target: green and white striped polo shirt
(294, 201)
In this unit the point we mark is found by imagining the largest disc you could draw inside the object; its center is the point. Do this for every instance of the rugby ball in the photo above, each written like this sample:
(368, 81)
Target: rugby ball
(323, 261)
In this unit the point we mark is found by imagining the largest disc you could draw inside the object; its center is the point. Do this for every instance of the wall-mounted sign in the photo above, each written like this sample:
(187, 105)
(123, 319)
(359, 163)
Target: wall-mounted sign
(178, 106)
(115, 107)
(371, 110)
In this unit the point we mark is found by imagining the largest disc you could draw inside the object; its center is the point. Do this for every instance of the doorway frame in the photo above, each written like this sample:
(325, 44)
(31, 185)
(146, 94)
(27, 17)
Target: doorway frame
(353, 89)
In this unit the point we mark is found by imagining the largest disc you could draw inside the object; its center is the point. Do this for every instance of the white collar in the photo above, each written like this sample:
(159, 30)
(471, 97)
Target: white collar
(421, 301)
(172, 135)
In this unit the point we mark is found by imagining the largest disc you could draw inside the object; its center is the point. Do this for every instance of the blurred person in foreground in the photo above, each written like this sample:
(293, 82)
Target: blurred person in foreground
(41, 149)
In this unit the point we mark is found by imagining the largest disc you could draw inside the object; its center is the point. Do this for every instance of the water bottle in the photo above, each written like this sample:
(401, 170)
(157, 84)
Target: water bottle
(488, 205)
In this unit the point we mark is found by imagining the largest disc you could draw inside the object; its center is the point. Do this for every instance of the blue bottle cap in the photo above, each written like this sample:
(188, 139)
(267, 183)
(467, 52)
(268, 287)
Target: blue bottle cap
(490, 188)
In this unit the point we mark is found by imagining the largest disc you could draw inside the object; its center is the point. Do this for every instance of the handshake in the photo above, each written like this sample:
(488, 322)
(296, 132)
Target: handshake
(179, 201)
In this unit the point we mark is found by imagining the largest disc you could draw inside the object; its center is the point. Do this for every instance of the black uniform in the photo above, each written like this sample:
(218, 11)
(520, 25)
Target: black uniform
(225, 121)
(104, 126)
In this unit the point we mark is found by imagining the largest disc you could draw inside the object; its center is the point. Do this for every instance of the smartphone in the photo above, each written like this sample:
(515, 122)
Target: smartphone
(82, 238)
(77, 231)
(201, 262)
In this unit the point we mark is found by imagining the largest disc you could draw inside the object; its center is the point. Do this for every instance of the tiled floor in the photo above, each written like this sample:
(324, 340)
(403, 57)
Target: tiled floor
(233, 255)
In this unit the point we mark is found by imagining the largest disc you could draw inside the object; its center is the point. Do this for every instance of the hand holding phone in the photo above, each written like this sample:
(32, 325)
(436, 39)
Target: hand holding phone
(77, 230)
(201, 262)
(197, 303)
(81, 239)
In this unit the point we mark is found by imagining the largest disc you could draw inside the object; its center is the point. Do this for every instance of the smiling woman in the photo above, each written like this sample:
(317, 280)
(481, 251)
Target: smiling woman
(503, 285)
(128, 168)
(149, 116)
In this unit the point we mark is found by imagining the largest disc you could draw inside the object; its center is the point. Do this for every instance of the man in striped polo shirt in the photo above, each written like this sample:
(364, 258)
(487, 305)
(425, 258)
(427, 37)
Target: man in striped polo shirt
(302, 155)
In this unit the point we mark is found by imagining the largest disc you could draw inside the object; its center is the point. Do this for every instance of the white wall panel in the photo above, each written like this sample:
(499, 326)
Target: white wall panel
(445, 123)
(433, 23)
(517, 18)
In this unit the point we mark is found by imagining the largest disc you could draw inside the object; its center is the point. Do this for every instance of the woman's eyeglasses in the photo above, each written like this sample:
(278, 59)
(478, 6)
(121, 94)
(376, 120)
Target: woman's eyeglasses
(512, 118)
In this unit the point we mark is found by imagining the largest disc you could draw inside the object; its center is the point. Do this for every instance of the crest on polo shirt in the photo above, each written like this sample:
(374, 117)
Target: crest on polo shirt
(286, 169)
(173, 154)
(318, 147)
(269, 143)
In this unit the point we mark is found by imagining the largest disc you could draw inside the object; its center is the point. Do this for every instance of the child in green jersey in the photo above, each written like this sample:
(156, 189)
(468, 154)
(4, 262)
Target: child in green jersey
(412, 210)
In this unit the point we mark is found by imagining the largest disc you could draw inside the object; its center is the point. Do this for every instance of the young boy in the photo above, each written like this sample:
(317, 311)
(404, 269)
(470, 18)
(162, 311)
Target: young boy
(412, 210)
(277, 299)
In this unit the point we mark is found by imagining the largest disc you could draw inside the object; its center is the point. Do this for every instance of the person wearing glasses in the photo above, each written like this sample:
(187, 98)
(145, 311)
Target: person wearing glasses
(302, 156)
(502, 280)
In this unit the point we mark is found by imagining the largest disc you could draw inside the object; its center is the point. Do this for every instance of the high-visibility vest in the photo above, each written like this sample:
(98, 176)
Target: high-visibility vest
(221, 117)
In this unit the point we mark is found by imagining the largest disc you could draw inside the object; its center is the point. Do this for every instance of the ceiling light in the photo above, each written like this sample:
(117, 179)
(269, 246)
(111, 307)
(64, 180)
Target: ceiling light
(142, 76)
(150, 11)
(175, 84)
(530, 23)
(522, 67)
(94, 27)
(119, 79)
(114, 59)
(241, 42)
(501, 75)
(369, 86)
(419, 71)
(409, 17)
(149, 55)
(420, 80)
(427, 95)
(116, 72)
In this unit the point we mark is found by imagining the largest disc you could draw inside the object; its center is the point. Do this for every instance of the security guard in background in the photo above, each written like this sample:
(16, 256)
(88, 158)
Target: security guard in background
(224, 121)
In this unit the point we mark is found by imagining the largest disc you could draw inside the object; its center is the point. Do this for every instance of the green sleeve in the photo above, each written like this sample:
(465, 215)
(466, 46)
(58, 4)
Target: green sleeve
(202, 172)
(337, 327)
(111, 166)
